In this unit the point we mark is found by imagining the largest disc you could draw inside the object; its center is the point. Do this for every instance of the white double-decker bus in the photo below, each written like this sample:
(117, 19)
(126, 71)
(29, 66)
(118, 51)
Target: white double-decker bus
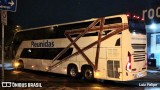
(109, 48)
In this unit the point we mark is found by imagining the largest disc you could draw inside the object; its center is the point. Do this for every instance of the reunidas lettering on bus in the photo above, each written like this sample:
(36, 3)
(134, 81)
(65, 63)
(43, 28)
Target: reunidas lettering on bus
(44, 43)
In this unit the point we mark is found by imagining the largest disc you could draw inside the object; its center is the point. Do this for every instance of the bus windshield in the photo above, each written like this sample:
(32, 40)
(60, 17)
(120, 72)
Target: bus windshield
(136, 26)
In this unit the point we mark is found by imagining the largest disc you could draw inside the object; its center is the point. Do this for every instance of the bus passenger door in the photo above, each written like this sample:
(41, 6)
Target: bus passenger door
(114, 69)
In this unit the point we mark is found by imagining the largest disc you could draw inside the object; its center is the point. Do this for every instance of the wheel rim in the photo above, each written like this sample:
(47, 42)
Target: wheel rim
(73, 72)
(88, 74)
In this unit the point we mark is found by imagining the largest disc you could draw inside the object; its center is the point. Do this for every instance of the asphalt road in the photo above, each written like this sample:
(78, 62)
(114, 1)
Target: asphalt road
(52, 81)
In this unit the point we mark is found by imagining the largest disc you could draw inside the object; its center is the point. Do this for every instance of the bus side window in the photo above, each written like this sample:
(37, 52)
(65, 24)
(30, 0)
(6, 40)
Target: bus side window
(67, 53)
(106, 32)
(117, 42)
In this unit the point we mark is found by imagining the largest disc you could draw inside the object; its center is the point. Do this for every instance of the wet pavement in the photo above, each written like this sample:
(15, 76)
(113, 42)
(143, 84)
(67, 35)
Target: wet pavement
(52, 81)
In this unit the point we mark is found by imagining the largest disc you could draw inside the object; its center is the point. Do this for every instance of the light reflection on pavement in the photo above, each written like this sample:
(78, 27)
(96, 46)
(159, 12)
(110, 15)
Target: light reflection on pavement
(7, 66)
(39, 76)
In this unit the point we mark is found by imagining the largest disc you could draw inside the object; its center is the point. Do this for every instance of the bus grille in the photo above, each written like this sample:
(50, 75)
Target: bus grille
(139, 52)
(139, 56)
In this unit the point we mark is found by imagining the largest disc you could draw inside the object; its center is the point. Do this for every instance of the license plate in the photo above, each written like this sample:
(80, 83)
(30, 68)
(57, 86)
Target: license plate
(139, 75)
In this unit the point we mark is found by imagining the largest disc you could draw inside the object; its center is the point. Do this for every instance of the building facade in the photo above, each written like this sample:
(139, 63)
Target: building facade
(151, 16)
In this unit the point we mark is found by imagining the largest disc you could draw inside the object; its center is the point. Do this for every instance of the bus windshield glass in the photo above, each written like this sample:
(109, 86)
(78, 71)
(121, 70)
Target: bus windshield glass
(136, 26)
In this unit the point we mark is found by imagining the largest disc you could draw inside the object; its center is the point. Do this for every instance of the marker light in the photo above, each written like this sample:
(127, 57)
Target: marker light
(134, 16)
(142, 19)
(65, 69)
(97, 73)
(128, 15)
(46, 68)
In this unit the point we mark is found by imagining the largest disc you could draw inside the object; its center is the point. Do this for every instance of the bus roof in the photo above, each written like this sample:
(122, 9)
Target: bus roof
(76, 22)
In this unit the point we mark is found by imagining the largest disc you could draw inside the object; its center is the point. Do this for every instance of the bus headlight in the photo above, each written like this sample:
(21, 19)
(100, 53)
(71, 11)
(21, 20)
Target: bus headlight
(16, 64)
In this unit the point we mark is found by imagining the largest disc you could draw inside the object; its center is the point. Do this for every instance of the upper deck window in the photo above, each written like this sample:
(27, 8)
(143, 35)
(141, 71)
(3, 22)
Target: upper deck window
(136, 26)
(113, 20)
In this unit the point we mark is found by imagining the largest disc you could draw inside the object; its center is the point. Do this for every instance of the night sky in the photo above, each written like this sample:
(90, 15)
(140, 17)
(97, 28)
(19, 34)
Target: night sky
(35, 13)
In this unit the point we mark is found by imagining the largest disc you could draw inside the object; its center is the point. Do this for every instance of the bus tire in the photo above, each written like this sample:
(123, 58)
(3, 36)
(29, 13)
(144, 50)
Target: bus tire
(88, 73)
(72, 72)
(21, 66)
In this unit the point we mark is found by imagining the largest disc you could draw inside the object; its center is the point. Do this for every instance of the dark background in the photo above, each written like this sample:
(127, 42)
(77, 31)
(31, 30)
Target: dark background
(35, 13)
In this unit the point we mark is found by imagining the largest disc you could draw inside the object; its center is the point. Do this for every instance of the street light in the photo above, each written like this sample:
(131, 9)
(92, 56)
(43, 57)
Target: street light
(17, 29)
(153, 26)
(17, 26)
